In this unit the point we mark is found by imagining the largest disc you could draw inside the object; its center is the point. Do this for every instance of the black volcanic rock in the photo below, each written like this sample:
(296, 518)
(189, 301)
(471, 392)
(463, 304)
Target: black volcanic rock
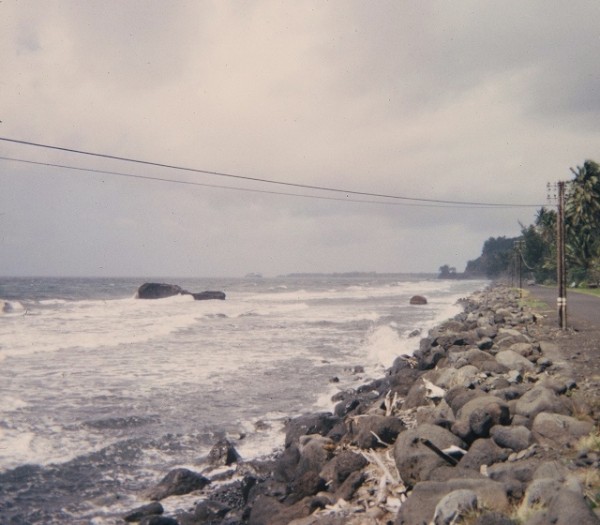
(209, 294)
(159, 291)
(162, 290)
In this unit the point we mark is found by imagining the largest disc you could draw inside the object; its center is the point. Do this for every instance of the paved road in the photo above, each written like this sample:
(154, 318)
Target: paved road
(583, 311)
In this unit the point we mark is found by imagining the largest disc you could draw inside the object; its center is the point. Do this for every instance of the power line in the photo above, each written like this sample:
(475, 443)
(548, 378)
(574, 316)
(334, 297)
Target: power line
(266, 181)
(236, 188)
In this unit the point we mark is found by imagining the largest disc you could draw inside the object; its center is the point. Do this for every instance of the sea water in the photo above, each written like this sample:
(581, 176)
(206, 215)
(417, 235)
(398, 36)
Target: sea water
(101, 394)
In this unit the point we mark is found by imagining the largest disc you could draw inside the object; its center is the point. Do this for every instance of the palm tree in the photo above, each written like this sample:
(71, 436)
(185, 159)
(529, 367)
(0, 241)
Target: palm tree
(545, 228)
(582, 217)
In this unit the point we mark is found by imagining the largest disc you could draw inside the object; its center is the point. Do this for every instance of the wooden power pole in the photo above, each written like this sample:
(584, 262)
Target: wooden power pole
(561, 270)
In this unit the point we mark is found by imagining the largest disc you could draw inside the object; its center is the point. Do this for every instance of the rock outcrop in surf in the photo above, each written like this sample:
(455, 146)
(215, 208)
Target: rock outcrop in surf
(163, 290)
(418, 299)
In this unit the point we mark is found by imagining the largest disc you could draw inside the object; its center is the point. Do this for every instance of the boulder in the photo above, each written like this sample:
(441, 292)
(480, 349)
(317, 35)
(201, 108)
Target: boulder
(451, 377)
(421, 503)
(210, 510)
(208, 295)
(521, 470)
(514, 437)
(418, 299)
(479, 415)
(483, 452)
(557, 430)
(162, 290)
(414, 460)
(549, 501)
(428, 357)
(524, 349)
(486, 330)
(514, 361)
(315, 451)
(417, 395)
(367, 429)
(267, 510)
(336, 471)
(158, 291)
(459, 396)
(540, 399)
(308, 484)
(158, 520)
(177, 482)
(319, 423)
(233, 495)
(350, 485)
(441, 415)
(286, 463)
(152, 509)
(223, 453)
(402, 379)
(493, 518)
(453, 506)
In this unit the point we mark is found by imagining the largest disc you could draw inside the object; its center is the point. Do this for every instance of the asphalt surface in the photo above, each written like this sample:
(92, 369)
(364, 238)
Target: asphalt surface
(583, 311)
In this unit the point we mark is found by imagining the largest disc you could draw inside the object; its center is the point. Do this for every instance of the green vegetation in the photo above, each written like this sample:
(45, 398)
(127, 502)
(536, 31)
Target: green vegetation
(535, 250)
(588, 291)
(527, 301)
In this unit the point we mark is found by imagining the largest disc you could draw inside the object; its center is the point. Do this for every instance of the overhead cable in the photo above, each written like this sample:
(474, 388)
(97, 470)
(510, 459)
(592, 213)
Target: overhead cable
(263, 180)
(236, 188)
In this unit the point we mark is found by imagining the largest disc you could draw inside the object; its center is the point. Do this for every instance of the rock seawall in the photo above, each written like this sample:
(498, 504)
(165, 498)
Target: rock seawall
(481, 426)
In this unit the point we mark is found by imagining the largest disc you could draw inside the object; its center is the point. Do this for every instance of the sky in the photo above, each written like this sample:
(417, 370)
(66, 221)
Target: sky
(462, 101)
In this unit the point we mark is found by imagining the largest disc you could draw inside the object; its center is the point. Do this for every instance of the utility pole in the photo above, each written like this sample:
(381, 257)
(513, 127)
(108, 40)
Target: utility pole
(518, 253)
(561, 273)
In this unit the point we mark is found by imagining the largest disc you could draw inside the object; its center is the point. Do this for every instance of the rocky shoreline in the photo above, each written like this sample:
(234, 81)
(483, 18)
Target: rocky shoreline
(483, 425)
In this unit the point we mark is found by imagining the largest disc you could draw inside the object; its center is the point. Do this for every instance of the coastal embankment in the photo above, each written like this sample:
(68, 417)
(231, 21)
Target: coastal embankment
(492, 420)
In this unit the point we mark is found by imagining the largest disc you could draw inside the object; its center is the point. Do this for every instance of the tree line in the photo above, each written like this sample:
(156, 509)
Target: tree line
(534, 251)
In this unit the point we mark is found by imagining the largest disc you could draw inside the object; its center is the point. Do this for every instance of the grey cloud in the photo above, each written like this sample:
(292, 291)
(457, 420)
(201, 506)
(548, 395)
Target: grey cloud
(447, 100)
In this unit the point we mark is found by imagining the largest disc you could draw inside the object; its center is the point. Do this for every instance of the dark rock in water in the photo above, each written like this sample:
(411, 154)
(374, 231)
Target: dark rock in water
(209, 294)
(158, 291)
(152, 509)
(162, 290)
(177, 482)
(418, 299)
(223, 453)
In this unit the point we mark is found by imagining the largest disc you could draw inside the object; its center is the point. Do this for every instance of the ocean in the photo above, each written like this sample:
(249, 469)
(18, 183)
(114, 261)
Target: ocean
(101, 394)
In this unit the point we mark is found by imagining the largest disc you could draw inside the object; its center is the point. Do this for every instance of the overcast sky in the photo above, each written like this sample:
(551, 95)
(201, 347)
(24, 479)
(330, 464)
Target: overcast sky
(474, 101)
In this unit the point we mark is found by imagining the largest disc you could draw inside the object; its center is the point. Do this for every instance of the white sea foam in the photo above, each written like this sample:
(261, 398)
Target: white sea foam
(385, 344)
(89, 324)
(8, 308)
(10, 403)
